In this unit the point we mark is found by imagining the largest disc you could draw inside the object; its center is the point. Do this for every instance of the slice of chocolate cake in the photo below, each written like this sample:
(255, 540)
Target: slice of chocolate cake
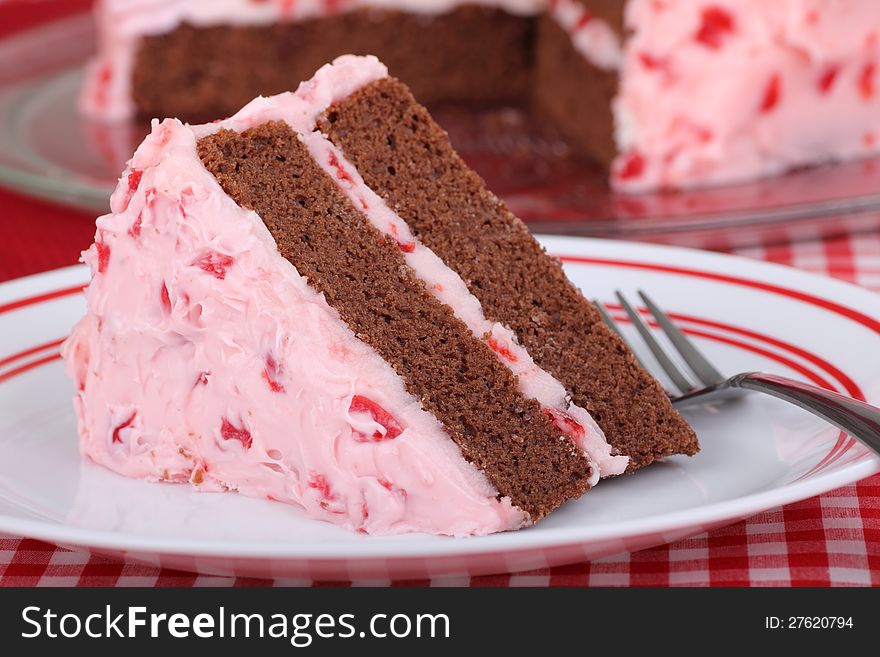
(315, 301)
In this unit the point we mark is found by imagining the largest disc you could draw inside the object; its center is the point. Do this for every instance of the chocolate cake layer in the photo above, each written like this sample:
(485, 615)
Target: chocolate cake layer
(407, 159)
(471, 54)
(573, 94)
(364, 276)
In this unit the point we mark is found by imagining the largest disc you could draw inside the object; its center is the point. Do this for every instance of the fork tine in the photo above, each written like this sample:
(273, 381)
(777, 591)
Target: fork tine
(606, 317)
(678, 377)
(609, 320)
(698, 363)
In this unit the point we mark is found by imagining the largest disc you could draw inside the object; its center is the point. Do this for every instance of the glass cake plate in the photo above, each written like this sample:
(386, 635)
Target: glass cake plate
(48, 150)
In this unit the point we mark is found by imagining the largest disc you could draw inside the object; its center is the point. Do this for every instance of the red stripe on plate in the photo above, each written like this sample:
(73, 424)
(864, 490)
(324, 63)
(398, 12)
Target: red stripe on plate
(850, 386)
(40, 298)
(816, 378)
(849, 313)
(21, 369)
(843, 444)
(30, 352)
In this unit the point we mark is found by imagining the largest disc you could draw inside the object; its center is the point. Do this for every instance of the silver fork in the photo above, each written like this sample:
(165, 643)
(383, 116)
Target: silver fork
(858, 419)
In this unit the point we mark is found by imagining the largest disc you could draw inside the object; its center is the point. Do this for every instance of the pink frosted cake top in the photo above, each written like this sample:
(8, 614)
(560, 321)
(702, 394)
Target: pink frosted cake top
(189, 290)
(719, 91)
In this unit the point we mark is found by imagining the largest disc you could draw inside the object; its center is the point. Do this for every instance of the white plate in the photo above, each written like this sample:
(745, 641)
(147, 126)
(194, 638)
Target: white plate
(756, 454)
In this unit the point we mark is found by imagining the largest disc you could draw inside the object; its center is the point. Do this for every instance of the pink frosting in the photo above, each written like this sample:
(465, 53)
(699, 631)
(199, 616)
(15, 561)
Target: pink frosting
(721, 91)
(205, 357)
(106, 93)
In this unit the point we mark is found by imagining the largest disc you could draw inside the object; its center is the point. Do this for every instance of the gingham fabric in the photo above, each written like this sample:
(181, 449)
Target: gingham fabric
(831, 540)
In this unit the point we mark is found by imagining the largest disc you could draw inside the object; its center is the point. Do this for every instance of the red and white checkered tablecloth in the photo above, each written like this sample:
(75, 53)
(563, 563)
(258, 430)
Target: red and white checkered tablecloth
(833, 539)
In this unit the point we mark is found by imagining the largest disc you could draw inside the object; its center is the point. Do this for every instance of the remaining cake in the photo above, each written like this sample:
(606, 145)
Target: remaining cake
(317, 302)
(681, 93)
(665, 93)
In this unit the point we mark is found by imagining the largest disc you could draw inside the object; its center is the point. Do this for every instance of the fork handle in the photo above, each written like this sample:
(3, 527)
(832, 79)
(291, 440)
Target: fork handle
(858, 419)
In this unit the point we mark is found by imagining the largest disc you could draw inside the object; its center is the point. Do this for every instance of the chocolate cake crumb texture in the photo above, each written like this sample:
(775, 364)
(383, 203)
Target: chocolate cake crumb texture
(472, 54)
(363, 275)
(407, 159)
(574, 95)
